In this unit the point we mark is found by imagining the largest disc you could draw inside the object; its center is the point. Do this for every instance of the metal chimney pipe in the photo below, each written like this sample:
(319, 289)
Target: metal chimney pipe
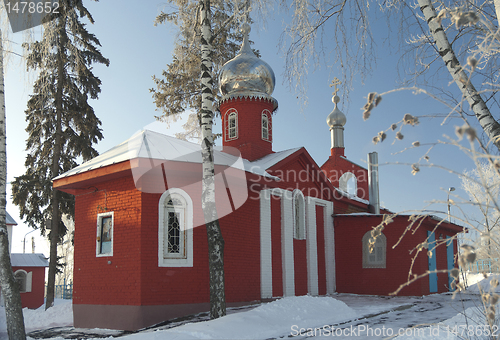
(373, 191)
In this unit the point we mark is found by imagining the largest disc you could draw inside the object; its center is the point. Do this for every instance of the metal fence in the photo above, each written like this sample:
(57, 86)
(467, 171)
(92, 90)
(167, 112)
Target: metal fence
(484, 266)
(64, 291)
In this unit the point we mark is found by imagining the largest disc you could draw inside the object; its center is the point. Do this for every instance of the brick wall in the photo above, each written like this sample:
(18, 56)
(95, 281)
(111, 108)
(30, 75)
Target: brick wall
(336, 166)
(35, 298)
(300, 263)
(249, 141)
(115, 279)
(320, 234)
(353, 278)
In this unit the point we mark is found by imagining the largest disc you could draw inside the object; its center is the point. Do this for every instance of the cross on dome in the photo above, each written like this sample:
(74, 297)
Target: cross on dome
(335, 82)
(336, 118)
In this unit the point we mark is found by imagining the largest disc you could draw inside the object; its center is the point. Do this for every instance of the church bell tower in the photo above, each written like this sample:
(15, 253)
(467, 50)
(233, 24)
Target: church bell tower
(246, 84)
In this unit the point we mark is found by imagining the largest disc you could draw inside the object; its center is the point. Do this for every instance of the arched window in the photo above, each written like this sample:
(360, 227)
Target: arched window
(299, 215)
(348, 183)
(231, 125)
(23, 279)
(266, 126)
(175, 229)
(377, 257)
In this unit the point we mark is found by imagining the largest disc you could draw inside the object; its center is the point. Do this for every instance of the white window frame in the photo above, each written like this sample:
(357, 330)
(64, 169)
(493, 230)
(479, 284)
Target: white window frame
(27, 280)
(100, 217)
(229, 115)
(266, 116)
(344, 183)
(299, 221)
(381, 242)
(185, 257)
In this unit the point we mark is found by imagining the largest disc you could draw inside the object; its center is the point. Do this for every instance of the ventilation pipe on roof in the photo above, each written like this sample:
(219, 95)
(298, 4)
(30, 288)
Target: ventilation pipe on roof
(373, 183)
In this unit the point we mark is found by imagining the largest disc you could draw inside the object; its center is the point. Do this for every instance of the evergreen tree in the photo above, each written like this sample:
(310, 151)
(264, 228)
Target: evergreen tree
(62, 125)
(190, 81)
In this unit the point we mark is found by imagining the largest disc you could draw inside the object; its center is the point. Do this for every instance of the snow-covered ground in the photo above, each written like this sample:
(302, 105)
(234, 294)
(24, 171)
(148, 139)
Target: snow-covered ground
(342, 316)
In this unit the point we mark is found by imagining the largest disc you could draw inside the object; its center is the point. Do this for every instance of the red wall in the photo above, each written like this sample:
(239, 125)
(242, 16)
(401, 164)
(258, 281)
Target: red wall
(337, 165)
(352, 278)
(97, 281)
(249, 141)
(320, 239)
(300, 266)
(35, 298)
(133, 277)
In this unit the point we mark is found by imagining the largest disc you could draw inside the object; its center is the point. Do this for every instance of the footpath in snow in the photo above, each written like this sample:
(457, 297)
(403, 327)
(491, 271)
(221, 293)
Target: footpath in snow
(343, 316)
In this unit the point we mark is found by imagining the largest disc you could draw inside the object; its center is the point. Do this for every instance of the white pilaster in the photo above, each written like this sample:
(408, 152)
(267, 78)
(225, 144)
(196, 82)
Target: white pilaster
(266, 264)
(287, 244)
(311, 247)
(329, 247)
(329, 239)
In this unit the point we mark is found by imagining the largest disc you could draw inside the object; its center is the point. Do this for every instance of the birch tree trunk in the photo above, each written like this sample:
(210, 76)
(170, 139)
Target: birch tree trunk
(214, 235)
(490, 126)
(497, 9)
(10, 288)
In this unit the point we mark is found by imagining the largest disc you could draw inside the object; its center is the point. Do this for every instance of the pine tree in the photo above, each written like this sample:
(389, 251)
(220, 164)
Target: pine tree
(62, 125)
(198, 51)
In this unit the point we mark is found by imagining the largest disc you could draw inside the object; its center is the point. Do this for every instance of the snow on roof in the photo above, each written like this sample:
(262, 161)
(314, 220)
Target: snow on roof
(28, 260)
(352, 197)
(274, 158)
(154, 145)
(9, 220)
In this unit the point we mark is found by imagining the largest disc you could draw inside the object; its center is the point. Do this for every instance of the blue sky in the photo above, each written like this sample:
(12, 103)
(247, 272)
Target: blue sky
(138, 50)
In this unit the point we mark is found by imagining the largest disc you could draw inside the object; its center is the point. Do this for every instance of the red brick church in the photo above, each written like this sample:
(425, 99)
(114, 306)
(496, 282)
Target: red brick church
(141, 248)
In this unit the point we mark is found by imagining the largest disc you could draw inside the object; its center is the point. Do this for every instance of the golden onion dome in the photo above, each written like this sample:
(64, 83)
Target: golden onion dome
(246, 75)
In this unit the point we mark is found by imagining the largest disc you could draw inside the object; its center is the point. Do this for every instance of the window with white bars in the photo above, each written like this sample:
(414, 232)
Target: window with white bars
(231, 125)
(377, 257)
(175, 229)
(174, 236)
(266, 126)
(299, 215)
(23, 280)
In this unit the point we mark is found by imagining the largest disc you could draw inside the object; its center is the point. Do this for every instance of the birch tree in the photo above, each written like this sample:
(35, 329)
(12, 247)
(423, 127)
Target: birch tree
(62, 125)
(482, 185)
(214, 234)
(467, 45)
(200, 51)
(9, 286)
(178, 87)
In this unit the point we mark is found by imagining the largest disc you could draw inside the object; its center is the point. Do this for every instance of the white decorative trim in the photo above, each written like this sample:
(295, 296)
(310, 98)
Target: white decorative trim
(187, 261)
(227, 128)
(266, 261)
(344, 181)
(329, 242)
(311, 248)
(27, 278)
(381, 240)
(248, 95)
(100, 217)
(287, 257)
(287, 260)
